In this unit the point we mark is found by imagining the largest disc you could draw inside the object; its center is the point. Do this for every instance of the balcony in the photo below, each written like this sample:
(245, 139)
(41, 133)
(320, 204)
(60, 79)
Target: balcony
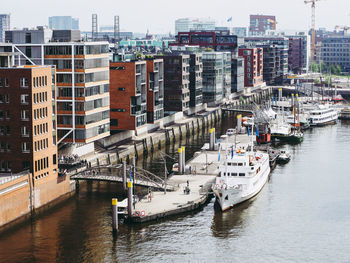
(136, 110)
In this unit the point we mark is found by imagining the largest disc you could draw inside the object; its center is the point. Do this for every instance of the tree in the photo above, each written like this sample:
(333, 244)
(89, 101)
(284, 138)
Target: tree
(314, 67)
(338, 69)
(316, 81)
(333, 69)
(323, 67)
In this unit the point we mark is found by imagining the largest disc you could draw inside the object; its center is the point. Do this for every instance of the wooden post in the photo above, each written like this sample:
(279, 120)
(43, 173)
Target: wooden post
(115, 214)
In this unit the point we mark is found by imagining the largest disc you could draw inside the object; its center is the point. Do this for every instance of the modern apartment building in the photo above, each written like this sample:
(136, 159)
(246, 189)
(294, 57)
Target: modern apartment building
(297, 54)
(155, 90)
(213, 77)
(237, 74)
(336, 51)
(253, 66)
(5, 24)
(128, 95)
(259, 24)
(275, 57)
(27, 124)
(188, 24)
(217, 40)
(239, 31)
(226, 80)
(176, 82)
(63, 23)
(196, 79)
(82, 79)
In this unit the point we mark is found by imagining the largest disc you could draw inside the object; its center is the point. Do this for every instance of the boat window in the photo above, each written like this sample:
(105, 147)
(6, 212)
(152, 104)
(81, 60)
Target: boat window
(241, 174)
(234, 174)
(234, 164)
(229, 164)
(240, 164)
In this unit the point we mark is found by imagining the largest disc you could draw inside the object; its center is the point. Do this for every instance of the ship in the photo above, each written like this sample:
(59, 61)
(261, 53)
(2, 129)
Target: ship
(242, 175)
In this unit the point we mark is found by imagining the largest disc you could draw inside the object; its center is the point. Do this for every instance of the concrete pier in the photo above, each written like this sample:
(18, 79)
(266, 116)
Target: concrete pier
(193, 191)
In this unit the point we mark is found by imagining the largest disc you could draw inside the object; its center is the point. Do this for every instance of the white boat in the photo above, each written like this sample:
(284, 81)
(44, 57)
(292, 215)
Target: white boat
(241, 177)
(302, 121)
(283, 157)
(323, 115)
(281, 131)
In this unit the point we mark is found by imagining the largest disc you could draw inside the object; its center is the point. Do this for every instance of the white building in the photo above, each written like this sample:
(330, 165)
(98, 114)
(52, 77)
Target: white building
(63, 23)
(188, 24)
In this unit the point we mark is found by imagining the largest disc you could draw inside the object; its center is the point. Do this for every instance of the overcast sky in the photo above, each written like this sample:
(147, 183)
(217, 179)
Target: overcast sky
(159, 15)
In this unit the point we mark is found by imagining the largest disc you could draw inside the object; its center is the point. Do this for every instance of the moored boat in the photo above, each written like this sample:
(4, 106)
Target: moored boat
(323, 115)
(242, 174)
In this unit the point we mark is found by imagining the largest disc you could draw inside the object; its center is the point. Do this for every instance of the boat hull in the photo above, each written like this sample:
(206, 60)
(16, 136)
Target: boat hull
(323, 123)
(228, 198)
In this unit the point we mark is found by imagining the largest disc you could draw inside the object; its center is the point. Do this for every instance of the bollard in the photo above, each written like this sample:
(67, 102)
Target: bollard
(239, 123)
(130, 198)
(124, 175)
(115, 214)
(180, 161)
(210, 139)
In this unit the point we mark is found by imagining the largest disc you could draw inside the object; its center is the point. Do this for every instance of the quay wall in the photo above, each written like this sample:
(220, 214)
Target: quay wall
(20, 198)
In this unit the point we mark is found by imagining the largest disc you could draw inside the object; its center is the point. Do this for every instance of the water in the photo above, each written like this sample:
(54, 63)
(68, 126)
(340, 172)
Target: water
(301, 215)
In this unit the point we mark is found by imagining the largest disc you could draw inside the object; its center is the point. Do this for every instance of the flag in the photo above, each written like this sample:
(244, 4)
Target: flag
(248, 130)
(219, 156)
(232, 152)
(130, 176)
(257, 131)
(229, 19)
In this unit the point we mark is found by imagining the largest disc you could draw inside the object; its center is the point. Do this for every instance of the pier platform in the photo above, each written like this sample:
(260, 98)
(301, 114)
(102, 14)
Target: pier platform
(176, 202)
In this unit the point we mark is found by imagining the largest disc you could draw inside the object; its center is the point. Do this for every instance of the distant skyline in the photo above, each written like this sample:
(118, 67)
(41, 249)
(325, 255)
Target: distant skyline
(158, 16)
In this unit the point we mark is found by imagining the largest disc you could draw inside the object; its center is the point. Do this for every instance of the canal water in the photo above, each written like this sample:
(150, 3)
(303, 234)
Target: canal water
(301, 215)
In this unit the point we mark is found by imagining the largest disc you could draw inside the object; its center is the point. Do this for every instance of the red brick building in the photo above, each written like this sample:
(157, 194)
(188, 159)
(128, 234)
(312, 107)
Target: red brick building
(253, 66)
(28, 136)
(128, 95)
(155, 90)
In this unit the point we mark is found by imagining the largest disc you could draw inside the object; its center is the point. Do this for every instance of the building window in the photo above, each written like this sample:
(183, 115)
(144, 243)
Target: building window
(54, 159)
(8, 130)
(7, 98)
(25, 165)
(7, 82)
(24, 131)
(25, 115)
(28, 38)
(0, 82)
(114, 122)
(23, 82)
(121, 89)
(25, 147)
(2, 146)
(2, 130)
(24, 98)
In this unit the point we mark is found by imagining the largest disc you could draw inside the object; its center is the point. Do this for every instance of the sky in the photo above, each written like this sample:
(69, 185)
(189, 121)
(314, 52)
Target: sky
(158, 16)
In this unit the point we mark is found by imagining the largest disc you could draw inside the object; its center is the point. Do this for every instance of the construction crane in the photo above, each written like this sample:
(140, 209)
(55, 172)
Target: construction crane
(344, 28)
(313, 36)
